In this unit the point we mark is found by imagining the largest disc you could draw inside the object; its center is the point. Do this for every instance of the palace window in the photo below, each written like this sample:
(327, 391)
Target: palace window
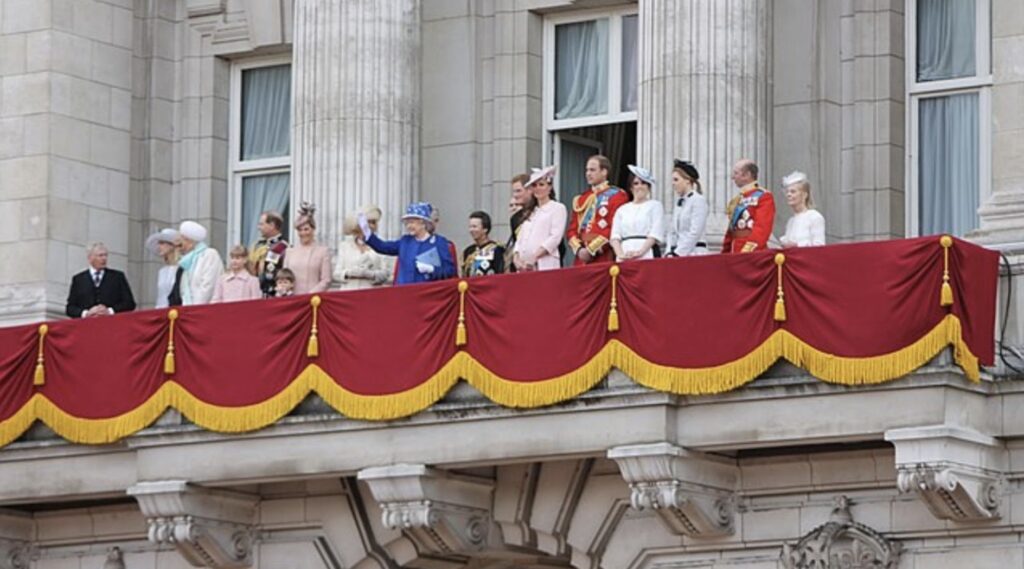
(590, 93)
(261, 106)
(949, 80)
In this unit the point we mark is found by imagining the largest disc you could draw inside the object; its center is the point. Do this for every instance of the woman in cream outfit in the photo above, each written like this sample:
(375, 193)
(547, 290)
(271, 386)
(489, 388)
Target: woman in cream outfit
(357, 266)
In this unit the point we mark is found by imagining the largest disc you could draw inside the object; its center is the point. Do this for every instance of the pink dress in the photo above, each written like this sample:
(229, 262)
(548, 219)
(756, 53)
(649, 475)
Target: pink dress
(545, 229)
(237, 286)
(311, 265)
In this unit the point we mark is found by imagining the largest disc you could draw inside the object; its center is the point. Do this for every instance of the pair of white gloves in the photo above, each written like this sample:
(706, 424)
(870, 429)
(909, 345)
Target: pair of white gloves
(364, 226)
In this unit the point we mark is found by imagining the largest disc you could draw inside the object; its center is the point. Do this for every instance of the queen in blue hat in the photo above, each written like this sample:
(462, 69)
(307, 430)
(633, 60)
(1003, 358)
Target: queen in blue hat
(638, 228)
(422, 255)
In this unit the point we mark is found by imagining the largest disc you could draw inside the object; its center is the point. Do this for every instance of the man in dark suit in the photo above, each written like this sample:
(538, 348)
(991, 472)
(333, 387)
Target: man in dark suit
(99, 291)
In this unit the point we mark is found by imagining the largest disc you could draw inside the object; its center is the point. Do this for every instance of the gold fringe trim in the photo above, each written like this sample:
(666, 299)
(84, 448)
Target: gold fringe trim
(682, 381)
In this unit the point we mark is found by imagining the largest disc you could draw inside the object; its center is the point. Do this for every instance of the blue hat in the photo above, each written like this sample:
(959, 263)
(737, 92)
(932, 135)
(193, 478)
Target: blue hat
(418, 210)
(643, 173)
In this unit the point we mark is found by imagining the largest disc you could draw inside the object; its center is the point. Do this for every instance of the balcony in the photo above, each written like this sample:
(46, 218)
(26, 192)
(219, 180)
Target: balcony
(906, 413)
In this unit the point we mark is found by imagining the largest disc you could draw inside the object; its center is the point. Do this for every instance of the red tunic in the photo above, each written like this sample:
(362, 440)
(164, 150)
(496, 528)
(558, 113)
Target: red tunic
(590, 224)
(751, 217)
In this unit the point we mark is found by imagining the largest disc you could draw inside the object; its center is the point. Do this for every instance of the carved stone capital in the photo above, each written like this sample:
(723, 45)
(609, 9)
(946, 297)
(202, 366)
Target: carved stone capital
(15, 540)
(442, 514)
(692, 492)
(958, 473)
(209, 528)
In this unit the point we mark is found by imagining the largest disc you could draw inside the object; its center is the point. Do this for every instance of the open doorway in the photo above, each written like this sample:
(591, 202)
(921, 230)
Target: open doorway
(572, 148)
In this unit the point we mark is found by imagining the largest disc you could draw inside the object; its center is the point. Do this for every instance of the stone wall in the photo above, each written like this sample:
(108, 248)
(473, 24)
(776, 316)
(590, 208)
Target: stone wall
(569, 512)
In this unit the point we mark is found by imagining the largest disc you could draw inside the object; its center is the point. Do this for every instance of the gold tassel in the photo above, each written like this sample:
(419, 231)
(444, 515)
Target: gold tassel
(780, 297)
(313, 347)
(169, 367)
(460, 330)
(40, 375)
(613, 311)
(946, 298)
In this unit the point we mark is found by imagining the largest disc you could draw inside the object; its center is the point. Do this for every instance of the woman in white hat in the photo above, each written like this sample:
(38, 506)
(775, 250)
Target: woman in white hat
(807, 226)
(638, 226)
(201, 265)
(536, 247)
(163, 244)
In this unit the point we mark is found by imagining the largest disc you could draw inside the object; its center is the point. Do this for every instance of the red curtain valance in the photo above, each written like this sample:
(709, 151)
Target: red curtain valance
(851, 314)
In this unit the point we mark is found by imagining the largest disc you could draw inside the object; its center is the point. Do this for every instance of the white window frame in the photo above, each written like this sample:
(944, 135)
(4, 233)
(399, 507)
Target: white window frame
(237, 168)
(615, 113)
(980, 83)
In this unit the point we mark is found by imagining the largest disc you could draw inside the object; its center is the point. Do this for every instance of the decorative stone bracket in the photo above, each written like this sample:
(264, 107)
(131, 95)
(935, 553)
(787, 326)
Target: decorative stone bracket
(692, 492)
(209, 528)
(15, 540)
(442, 514)
(958, 473)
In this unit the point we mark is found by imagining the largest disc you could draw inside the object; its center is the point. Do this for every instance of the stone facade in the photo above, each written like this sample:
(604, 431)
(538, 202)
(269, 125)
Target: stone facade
(115, 120)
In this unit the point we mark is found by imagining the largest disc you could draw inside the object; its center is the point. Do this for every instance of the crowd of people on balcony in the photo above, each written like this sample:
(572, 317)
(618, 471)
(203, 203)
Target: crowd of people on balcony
(606, 224)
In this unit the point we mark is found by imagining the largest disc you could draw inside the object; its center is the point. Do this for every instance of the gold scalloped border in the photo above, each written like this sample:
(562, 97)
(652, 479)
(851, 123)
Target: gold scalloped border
(523, 394)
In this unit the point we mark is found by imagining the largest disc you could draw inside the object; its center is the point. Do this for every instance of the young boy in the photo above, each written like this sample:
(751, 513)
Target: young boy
(237, 283)
(284, 283)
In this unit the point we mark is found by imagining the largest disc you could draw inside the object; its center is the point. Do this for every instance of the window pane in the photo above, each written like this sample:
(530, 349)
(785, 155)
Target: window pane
(581, 69)
(945, 39)
(629, 57)
(262, 193)
(948, 177)
(266, 112)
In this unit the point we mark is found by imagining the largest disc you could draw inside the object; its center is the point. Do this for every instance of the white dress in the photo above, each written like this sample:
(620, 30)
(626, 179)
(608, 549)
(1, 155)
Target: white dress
(689, 217)
(636, 222)
(164, 284)
(805, 229)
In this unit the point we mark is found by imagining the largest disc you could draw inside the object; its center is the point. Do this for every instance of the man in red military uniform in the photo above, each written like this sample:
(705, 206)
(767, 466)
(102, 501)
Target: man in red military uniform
(590, 223)
(751, 212)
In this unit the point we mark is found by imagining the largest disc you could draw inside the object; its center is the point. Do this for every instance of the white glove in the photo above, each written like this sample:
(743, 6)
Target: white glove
(424, 268)
(364, 226)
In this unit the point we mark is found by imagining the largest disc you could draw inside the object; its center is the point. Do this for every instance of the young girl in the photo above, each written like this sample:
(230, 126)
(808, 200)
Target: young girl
(237, 283)
(284, 283)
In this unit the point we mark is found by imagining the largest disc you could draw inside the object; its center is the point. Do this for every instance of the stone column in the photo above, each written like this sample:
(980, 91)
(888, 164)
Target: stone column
(704, 92)
(356, 108)
(1002, 213)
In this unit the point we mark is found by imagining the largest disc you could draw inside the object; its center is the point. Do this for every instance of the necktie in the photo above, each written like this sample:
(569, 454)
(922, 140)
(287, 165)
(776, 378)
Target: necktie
(97, 278)
(679, 202)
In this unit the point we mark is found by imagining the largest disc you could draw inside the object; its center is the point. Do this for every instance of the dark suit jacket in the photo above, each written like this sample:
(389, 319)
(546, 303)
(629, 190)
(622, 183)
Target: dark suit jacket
(113, 292)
